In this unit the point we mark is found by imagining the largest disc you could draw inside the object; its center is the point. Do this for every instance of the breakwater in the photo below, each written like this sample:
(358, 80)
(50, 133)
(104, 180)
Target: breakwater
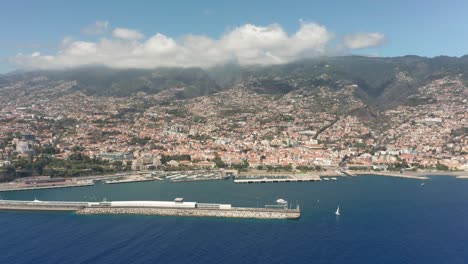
(226, 213)
(178, 207)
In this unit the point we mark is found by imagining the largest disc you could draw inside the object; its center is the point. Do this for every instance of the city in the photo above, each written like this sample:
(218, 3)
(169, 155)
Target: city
(302, 131)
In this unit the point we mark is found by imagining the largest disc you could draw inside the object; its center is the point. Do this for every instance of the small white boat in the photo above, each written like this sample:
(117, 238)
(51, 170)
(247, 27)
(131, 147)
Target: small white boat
(327, 179)
(337, 210)
(334, 179)
(282, 201)
(422, 184)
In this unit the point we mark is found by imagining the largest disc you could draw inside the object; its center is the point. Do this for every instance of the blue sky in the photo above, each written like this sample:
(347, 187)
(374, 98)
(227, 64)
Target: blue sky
(427, 28)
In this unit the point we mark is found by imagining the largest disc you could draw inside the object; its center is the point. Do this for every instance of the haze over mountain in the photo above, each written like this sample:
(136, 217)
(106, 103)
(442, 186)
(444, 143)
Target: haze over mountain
(380, 81)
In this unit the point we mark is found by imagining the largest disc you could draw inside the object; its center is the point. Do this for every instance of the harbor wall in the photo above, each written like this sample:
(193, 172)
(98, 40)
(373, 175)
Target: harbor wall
(229, 213)
(163, 208)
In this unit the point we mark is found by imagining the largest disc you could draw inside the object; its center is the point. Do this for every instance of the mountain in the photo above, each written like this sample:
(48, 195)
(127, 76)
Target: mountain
(384, 82)
(103, 81)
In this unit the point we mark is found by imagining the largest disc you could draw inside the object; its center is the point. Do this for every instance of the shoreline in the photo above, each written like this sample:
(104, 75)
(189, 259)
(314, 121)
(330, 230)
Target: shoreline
(29, 188)
(255, 176)
(415, 174)
(396, 175)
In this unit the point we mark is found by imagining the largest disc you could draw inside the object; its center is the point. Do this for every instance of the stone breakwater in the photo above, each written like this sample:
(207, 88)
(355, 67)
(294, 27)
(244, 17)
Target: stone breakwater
(231, 213)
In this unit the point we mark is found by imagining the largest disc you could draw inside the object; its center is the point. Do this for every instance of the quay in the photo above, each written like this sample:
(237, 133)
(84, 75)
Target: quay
(178, 207)
(10, 188)
(389, 174)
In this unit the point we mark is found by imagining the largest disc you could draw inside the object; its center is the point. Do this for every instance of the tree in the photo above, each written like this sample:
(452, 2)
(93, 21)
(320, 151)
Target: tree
(442, 167)
(218, 161)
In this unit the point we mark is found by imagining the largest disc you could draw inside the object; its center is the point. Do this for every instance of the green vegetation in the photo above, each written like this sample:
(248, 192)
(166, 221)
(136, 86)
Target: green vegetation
(415, 101)
(218, 161)
(202, 137)
(76, 165)
(442, 167)
(177, 112)
(463, 131)
(199, 119)
(139, 141)
(241, 167)
(235, 111)
(103, 81)
(165, 159)
(309, 168)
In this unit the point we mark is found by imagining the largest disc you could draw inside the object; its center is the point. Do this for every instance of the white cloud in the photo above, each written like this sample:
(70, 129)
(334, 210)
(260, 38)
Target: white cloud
(363, 40)
(247, 45)
(127, 34)
(99, 27)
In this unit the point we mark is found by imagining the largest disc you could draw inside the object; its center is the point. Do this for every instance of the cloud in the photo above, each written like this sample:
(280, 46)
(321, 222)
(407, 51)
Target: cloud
(99, 27)
(127, 34)
(246, 45)
(363, 40)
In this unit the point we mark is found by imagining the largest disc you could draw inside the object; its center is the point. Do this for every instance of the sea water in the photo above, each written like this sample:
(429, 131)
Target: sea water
(383, 220)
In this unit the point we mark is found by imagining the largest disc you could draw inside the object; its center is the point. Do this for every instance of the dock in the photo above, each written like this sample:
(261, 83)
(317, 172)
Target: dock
(397, 175)
(274, 180)
(10, 188)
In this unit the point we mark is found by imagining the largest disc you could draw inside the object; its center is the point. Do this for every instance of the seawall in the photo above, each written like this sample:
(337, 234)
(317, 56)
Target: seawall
(163, 208)
(229, 213)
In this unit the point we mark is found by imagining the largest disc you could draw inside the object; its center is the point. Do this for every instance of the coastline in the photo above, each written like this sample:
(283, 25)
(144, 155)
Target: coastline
(389, 174)
(245, 177)
(415, 174)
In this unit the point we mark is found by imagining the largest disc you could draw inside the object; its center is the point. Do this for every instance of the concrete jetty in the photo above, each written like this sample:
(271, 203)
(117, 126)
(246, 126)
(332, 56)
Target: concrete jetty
(37, 205)
(270, 180)
(6, 187)
(234, 212)
(178, 207)
(398, 175)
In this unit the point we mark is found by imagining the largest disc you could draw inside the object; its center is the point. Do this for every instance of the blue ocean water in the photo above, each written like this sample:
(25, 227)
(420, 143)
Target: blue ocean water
(383, 220)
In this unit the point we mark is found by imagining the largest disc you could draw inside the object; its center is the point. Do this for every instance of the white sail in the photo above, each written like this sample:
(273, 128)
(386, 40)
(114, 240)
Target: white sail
(337, 210)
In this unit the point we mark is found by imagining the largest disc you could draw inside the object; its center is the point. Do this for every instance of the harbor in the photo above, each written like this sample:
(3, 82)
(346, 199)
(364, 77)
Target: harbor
(133, 178)
(46, 182)
(275, 178)
(195, 175)
(178, 207)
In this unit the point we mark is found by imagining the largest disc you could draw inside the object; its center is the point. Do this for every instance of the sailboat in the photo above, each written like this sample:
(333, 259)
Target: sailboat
(337, 210)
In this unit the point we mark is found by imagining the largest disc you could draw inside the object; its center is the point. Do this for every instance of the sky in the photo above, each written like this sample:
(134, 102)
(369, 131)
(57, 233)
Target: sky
(147, 34)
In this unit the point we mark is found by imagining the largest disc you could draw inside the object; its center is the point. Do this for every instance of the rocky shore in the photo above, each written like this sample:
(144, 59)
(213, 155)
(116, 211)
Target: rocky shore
(233, 213)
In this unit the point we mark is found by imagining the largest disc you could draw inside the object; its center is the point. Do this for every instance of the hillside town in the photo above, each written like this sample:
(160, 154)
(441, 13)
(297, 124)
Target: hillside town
(305, 129)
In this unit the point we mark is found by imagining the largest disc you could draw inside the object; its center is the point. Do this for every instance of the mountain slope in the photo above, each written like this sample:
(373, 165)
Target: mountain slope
(384, 82)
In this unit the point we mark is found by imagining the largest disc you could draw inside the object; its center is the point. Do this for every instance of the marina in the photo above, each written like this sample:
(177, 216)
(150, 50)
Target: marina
(130, 179)
(46, 182)
(195, 175)
(275, 180)
(282, 178)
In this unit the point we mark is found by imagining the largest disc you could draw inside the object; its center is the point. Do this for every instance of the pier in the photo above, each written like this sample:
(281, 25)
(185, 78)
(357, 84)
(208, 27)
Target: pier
(7, 187)
(274, 180)
(178, 207)
(390, 174)
(234, 212)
